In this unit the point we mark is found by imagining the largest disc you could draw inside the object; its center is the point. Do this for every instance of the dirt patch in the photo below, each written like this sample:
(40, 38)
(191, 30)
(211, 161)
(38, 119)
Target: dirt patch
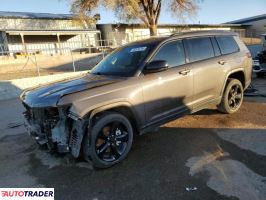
(250, 115)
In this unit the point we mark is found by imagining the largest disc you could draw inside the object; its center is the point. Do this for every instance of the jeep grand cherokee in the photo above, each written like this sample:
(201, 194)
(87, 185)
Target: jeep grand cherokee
(136, 88)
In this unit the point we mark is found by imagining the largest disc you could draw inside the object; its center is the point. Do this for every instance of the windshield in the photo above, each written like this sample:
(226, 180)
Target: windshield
(124, 61)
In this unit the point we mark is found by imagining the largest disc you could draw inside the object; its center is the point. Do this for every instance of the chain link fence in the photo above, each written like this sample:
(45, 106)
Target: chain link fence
(44, 59)
(38, 59)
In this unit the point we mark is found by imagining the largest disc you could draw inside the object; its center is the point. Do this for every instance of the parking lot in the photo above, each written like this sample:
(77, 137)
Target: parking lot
(207, 155)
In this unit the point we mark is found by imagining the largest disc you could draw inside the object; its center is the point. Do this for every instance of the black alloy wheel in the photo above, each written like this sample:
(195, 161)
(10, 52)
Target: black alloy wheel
(108, 141)
(235, 96)
(232, 97)
(111, 141)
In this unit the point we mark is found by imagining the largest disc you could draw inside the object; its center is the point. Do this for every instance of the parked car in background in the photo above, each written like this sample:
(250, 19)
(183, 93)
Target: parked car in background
(259, 64)
(135, 89)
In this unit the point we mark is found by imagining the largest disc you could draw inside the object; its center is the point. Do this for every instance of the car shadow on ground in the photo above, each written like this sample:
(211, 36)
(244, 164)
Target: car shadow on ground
(207, 112)
(156, 168)
(159, 165)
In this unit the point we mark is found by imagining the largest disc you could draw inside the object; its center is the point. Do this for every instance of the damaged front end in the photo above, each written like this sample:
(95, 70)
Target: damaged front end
(49, 121)
(53, 127)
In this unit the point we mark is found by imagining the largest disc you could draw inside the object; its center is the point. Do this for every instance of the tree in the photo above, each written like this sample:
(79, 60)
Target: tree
(84, 10)
(148, 11)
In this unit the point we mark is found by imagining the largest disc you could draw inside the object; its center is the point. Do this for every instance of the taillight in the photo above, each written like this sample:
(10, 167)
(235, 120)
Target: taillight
(248, 54)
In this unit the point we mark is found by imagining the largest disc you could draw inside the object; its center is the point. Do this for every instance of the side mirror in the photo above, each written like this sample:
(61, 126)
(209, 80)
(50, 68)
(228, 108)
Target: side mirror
(156, 66)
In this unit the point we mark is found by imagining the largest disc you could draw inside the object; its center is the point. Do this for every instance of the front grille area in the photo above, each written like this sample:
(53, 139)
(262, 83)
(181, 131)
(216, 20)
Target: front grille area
(40, 123)
(41, 115)
(50, 127)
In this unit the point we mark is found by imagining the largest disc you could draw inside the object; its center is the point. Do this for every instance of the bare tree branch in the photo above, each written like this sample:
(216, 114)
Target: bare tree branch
(148, 11)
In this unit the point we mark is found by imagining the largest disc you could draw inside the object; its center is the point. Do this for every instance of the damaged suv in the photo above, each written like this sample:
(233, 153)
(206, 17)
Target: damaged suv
(135, 89)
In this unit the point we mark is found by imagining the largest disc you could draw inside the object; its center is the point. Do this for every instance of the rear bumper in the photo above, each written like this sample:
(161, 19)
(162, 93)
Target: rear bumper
(260, 71)
(259, 68)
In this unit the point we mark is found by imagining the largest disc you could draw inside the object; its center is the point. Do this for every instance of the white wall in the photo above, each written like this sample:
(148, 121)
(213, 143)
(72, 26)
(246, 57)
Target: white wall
(76, 42)
(257, 28)
(142, 33)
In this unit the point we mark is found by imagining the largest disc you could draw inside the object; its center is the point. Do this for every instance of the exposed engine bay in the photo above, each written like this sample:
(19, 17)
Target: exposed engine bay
(52, 127)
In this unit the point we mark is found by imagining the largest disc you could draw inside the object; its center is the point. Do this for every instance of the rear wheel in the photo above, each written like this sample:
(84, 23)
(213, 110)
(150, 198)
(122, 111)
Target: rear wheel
(109, 140)
(232, 98)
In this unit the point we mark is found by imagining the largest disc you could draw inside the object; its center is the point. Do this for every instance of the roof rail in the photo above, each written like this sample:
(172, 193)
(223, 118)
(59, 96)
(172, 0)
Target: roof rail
(203, 32)
(176, 33)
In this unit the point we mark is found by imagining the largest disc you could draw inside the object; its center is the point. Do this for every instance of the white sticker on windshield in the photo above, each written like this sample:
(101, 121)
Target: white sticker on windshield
(138, 49)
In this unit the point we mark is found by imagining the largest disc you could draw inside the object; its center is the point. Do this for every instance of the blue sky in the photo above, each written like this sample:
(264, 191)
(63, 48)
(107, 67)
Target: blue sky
(211, 11)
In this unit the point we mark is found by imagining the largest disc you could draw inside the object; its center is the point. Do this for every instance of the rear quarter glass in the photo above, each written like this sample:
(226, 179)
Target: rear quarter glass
(227, 44)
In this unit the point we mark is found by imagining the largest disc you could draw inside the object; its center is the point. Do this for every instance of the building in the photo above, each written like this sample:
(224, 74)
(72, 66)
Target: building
(123, 33)
(255, 26)
(44, 33)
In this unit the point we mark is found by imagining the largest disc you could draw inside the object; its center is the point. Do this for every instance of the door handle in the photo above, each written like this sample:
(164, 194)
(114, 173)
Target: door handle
(184, 72)
(221, 62)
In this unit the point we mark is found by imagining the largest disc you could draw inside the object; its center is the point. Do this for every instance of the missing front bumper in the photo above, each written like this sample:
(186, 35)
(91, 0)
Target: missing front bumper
(61, 134)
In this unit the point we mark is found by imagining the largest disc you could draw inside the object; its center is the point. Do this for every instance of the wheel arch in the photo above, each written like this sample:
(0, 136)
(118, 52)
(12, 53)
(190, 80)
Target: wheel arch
(82, 125)
(123, 108)
(238, 74)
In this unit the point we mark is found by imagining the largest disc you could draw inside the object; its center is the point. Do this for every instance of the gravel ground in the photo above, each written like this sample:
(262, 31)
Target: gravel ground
(219, 156)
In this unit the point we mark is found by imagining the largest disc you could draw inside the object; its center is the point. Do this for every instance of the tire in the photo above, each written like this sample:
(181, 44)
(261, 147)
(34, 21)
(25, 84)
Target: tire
(109, 141)
(232, 97)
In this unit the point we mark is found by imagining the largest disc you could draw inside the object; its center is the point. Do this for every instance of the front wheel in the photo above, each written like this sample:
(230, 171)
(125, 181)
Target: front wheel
(109, 140)
(232, 98)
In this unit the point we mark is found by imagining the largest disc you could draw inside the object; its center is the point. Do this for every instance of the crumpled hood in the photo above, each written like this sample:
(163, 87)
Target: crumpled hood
(49, 95)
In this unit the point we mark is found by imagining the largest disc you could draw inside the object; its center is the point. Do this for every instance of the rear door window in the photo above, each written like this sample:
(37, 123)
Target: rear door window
(199, 49)
(173, 53)
(227, 44)
(216, 48)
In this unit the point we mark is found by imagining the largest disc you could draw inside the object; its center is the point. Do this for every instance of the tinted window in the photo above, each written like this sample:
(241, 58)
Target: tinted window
(199, 49)
(216, 49)
(227, 44)
(173, 53)
(124, 61)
